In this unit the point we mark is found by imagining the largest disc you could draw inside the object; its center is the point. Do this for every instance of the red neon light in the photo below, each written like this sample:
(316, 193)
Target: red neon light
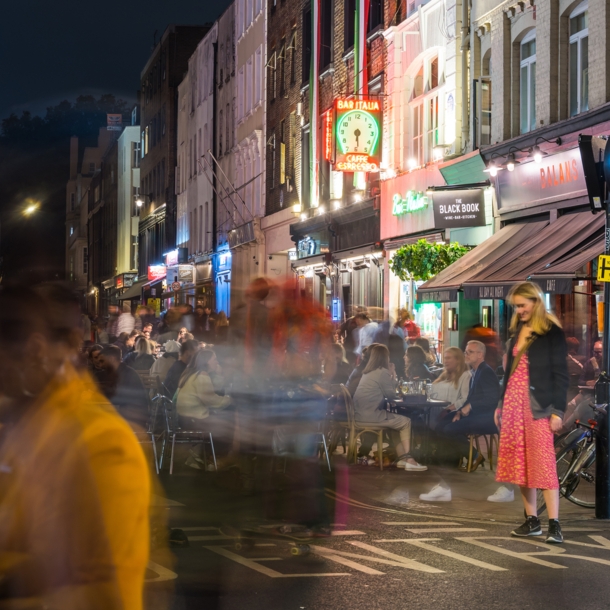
(328, 137)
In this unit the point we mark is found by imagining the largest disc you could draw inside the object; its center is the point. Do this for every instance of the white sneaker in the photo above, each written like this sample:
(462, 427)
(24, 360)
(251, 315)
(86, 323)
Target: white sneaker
(502, 494)
(437, 494)
(415, 467)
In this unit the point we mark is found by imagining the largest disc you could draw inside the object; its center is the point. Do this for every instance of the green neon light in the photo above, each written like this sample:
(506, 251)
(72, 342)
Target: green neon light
(412, 202)
(361, 124)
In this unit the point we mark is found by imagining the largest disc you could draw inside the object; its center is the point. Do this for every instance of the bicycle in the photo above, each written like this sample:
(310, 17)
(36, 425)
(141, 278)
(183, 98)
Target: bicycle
(576, 463)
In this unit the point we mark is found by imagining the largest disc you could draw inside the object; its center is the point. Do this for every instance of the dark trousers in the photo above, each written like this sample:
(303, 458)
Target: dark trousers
(457, 432)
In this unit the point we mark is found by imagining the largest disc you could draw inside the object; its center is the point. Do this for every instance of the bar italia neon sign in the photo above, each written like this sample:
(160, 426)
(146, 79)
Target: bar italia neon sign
(357, 135)
(412, 202)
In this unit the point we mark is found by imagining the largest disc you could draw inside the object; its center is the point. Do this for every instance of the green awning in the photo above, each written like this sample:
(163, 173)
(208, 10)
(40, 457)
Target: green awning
(466, 171)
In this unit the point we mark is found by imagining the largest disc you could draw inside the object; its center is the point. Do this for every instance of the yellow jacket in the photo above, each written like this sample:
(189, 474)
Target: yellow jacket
(74, 500)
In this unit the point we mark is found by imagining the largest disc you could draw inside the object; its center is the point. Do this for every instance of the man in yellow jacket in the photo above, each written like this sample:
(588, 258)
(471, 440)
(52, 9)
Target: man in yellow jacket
(75, 493)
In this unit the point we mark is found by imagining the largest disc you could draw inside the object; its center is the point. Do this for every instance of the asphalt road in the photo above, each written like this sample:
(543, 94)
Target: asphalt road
(379, 556)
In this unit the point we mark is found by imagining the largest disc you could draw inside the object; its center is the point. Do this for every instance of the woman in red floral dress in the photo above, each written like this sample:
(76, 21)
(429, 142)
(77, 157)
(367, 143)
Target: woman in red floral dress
(531, 412)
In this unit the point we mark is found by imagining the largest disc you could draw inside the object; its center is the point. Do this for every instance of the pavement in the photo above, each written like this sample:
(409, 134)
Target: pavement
(388, 549)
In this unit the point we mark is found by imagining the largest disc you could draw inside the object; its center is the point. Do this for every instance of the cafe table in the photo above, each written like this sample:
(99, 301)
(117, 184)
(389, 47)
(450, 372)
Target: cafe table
(411, 405)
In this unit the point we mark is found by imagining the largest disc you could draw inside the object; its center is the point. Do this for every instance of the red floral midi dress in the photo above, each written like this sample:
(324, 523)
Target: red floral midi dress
(526, 456)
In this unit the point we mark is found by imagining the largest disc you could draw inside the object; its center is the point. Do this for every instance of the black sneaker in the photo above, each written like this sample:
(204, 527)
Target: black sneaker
(554, 535)
(531, 527)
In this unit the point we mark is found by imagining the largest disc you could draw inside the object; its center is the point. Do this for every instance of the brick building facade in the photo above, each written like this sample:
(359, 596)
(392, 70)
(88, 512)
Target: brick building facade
(159, 83)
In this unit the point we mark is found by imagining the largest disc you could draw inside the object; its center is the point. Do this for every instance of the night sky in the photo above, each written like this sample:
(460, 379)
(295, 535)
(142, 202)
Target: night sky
(50, 51)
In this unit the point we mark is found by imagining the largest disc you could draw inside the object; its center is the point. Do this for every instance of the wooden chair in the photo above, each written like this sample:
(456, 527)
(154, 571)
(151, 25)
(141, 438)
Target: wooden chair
(355, 430)
(490, 440)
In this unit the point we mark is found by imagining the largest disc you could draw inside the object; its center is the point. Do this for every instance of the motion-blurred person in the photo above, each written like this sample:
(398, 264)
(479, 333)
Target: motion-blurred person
(221, 328)
(163, 364)
(425, 345)
(366, 331)
(356, 374)
(94, 366)
(348, 331)
(489, 338)
(124, 388)
(593, 366)
(416, 368)
(127, 322)
(203, 324)
(187, 350)
(378, 384)
(147, 329)
(76, 488)
(343, 368)
(411, 330)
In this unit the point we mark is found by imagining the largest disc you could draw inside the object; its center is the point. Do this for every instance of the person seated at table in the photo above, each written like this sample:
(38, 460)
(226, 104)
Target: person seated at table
(343, 369)
(200, 407)
(144, 358)
(415, 364)
(164, 363)
(452, 385)
(356, 374)
(377, 385)
(172, 379)
(425, 345)
(593, 366)
(476, 415)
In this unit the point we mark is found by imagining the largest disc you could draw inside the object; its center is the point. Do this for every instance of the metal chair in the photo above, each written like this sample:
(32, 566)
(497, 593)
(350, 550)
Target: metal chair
(178, 435)
(357, 429)
(152, 384)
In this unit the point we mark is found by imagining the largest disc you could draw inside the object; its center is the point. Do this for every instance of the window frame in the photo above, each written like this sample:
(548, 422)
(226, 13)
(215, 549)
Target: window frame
(577, 39)
(527, 66)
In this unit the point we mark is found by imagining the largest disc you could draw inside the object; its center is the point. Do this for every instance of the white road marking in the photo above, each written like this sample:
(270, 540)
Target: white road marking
(347, 533)
(421, 543)
(603, 543)
(524, 556)
(248, 563)
(162, 573)
(420, 523)
(329, 554)
(403, 563)
(428, 530)
(410, 563)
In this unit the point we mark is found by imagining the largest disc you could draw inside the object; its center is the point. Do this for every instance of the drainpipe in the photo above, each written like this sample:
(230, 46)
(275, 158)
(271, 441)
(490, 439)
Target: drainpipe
(464, 47)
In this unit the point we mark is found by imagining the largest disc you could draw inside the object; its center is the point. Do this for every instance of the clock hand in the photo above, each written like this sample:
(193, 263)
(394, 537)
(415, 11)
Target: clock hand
(357, 133)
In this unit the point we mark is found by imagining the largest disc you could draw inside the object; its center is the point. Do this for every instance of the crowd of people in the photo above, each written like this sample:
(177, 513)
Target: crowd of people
(262, 383)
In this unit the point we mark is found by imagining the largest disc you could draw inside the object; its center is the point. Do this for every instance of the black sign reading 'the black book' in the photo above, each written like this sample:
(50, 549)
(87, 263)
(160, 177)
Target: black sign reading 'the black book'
(464, 208)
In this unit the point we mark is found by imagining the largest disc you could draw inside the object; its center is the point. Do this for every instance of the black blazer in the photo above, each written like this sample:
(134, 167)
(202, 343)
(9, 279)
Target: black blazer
(484, 390)
(548, 372)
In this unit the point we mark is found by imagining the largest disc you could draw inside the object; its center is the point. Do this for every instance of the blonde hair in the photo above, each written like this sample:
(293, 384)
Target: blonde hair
(379, 358)
(541, 320)
(143, 346)
(461, 368)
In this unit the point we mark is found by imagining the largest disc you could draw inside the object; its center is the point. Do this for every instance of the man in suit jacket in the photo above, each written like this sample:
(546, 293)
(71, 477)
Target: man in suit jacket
(477, 414)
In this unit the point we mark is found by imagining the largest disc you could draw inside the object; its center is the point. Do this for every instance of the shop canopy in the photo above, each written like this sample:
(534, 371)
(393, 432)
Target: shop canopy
(134, 291)
(516, 253)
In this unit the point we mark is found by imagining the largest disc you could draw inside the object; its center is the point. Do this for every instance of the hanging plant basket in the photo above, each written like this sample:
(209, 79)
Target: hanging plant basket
(422, 260)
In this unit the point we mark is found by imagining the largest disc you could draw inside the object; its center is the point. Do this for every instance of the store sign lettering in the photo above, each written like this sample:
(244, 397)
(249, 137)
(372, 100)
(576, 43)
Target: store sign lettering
(459, 208)
(558, 173)
(412, 202)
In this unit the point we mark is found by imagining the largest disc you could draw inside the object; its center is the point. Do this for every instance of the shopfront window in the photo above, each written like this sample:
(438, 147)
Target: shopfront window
(527, 83)
(579, 60)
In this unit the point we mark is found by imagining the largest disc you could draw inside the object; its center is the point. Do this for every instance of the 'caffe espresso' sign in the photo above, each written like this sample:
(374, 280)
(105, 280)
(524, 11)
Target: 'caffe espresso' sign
(556, 178)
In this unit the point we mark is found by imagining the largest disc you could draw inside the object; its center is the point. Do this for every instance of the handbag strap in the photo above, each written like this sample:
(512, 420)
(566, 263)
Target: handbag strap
(520, 353)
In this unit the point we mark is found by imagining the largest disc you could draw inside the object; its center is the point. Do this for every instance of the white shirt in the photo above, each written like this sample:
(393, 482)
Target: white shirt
(367, 334)
(445, 390)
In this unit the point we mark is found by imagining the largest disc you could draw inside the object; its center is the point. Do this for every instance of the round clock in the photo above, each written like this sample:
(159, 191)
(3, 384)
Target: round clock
(357, 132)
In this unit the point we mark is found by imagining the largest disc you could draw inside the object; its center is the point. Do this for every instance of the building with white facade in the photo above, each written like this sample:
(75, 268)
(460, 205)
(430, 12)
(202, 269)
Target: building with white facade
(247, 244)
(194, 183)
(128, 185)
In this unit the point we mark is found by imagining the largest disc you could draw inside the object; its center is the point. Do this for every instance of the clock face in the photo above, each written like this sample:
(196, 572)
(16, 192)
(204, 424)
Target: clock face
(357, 132)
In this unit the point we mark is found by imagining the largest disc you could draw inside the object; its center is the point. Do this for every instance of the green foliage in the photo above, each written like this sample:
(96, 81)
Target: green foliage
(422, 260)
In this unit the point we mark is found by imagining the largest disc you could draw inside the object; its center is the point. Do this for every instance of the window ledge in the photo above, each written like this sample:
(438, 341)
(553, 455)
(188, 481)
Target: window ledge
(375, 33)
(330, 69)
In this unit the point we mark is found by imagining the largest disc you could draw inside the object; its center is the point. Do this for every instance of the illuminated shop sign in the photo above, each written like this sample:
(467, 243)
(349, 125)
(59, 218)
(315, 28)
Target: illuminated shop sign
(156, 272)
(411, 202)
(357, 135)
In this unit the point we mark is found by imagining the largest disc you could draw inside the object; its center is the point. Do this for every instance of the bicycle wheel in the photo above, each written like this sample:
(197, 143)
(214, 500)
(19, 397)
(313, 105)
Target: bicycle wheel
(579, 488)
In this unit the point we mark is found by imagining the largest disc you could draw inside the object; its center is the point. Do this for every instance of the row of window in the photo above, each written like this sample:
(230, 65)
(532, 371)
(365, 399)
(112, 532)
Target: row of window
(246, 13)
(199, 223)
(154, 182)
(250, 84)
(156, 75)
